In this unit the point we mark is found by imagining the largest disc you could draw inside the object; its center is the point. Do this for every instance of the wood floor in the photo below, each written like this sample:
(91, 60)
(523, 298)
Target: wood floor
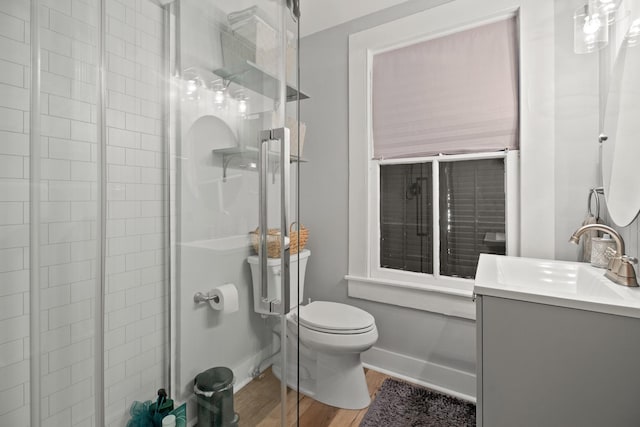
(258, 404)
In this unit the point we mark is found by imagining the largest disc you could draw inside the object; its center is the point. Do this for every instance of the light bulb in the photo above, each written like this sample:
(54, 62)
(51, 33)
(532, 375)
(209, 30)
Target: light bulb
(590, 31)
(242, 106)
(218, 97)
(634, 30)
(192, 86)
(589, 39)
(591, 24)
(633, 35)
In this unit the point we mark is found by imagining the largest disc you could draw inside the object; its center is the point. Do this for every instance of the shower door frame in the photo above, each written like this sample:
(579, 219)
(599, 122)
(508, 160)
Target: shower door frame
(281, 308)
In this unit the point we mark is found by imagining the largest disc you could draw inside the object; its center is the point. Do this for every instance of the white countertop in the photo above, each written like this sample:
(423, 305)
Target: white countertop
(560, 283)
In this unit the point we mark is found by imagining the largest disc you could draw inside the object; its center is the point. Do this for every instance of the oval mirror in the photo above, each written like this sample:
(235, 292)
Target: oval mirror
(621, 149)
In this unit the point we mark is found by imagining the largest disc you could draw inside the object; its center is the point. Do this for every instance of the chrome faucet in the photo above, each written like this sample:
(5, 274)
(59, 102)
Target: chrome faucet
(620, 269)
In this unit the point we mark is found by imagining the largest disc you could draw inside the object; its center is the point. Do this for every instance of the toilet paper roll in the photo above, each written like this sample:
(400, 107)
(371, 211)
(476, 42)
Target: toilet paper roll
(227, 298)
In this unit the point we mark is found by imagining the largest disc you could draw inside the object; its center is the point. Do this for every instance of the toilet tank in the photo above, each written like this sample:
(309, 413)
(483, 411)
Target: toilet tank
(274, 280)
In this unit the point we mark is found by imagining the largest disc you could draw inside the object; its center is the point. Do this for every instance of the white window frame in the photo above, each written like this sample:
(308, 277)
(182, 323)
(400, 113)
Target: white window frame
(436, 280)
(531, 221)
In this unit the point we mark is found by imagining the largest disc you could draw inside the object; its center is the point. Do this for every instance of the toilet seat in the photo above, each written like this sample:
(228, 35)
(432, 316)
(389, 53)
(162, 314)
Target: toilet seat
(333, 327)
(334, 318)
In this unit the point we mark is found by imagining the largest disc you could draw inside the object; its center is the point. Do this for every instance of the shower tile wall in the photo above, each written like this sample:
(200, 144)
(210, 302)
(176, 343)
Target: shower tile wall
(14, 229)
(135, 322)
(134, 325)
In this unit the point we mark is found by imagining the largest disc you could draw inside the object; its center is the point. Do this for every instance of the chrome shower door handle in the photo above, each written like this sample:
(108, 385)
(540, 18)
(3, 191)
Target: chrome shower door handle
(283, 135)
(263, 157)
(266, 136)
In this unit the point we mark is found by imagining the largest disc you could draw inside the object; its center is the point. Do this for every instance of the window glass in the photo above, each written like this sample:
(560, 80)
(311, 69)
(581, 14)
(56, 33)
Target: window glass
(472, 214)
(406, 217)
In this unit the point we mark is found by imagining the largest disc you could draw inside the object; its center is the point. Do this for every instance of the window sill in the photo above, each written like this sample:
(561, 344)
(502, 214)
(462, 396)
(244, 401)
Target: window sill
(434, 299)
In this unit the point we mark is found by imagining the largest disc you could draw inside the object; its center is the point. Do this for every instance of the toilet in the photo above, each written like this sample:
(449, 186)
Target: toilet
(332, 337)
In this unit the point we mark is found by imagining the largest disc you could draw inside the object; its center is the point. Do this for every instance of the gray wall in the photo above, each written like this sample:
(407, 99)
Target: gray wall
(324, 201)
(576, 130)
(431, 338)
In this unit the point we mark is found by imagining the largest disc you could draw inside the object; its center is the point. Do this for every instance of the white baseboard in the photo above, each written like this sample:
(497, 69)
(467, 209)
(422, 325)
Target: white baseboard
(440, 378)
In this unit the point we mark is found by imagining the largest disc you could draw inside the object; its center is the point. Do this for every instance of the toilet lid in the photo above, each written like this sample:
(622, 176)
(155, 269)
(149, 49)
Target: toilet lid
(334, 317)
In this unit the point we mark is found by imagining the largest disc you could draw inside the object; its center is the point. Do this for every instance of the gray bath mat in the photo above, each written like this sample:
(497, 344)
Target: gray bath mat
(400, 404)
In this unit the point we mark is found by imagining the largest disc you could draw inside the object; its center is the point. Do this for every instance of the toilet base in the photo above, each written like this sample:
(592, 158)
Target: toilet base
(334, 379)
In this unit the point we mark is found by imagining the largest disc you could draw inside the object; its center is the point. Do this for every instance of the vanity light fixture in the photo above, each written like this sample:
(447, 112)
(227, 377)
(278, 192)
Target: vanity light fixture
(192, 82)
(591, 24)
(242, 107)
(191, 88)
(219, 89)
(610, 9)
(590, 29)
(242, 100)
(218, 94)
(633, 35)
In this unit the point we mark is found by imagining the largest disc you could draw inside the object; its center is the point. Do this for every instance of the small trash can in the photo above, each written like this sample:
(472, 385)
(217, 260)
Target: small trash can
(214, 392)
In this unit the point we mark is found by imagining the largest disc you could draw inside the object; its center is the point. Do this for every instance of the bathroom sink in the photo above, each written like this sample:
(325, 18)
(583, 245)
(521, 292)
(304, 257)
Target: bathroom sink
(559, 283)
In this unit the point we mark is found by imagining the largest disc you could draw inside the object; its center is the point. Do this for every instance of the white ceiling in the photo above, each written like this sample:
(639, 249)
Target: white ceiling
(318, 15)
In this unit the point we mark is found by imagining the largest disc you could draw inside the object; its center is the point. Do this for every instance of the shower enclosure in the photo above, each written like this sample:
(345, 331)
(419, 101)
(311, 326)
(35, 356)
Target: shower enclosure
(140, 143)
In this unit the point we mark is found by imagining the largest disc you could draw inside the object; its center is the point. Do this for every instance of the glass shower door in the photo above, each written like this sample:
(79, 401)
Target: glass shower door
(83, 290)
(232, 177)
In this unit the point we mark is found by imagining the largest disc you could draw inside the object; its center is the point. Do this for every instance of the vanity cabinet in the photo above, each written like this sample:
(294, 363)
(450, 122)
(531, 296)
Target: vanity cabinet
(542, 365)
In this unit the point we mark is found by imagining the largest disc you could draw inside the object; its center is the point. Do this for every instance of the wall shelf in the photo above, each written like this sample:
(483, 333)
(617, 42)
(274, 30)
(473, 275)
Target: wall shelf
(253, 77)
(250, 154)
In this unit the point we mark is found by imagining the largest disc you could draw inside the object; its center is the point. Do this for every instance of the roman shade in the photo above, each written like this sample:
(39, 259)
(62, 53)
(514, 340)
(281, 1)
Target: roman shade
(453, 94)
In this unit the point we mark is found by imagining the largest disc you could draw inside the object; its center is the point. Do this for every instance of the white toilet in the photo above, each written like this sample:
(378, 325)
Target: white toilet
(332, 337)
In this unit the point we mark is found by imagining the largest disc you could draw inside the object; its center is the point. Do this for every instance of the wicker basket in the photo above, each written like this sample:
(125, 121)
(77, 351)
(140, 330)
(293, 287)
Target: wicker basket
(297, 238)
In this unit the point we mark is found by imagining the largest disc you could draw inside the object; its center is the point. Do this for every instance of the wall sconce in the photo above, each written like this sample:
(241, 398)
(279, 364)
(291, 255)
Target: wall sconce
(590, 28)
(219, 89)
(609, 7)
(591, 22)
(242, 103)
(633, 35)
(192, 86)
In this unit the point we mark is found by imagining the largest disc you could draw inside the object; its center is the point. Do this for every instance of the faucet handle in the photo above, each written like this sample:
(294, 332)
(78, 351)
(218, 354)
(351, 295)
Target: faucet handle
(629, 259)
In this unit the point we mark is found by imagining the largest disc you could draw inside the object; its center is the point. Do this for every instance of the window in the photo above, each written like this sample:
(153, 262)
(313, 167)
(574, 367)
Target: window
(438, 216)
(406, 212)
(471, 207)
(529, 206)
(472, 214)
(453, 94)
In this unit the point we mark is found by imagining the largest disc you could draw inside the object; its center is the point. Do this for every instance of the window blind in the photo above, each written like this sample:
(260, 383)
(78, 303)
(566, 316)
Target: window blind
(453, 94)
(406, 230)
(472, 214)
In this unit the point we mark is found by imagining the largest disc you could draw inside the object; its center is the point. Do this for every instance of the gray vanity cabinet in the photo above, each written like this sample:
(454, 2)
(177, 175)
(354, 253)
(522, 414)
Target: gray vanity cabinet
(542, 365)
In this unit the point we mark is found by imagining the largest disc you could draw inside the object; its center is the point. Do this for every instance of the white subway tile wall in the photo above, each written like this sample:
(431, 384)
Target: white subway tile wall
(136, 287)
(14, 218)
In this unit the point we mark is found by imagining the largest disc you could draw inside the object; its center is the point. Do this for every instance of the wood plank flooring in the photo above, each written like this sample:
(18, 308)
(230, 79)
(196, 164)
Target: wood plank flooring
(258, 404)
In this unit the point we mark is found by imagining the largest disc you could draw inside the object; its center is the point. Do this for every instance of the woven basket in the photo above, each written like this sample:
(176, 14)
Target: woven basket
(273, 240)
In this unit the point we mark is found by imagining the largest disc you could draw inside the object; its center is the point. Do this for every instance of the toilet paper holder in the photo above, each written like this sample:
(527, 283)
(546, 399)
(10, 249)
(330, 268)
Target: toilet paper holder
(200, 297)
